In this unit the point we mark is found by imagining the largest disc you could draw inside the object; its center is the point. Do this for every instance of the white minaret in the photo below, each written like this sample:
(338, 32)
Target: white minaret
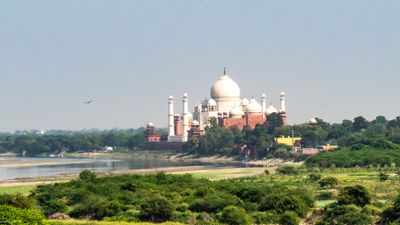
(185, 117)
(283, 105)
(171, 126)
(264, 104)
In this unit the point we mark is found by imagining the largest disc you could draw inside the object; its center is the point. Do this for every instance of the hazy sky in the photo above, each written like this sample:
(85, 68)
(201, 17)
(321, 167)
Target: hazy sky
(334, 59)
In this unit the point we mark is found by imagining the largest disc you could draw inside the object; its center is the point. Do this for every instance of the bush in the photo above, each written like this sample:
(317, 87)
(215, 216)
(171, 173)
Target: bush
(356, 195)
(16, 216)
(345, 214)
(328, 182)
(383, 177)
(287, 170)
(314, 176)
(87, 175)
(156, 209)
(54, 206)
(17, 200)
(289, 218)
(233, 215)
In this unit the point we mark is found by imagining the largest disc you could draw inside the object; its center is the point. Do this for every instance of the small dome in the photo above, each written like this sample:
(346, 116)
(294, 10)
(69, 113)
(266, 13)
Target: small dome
(271, 110)
(225, 89)
(150, 124)
(195, 123)
(212, 102)
(253, 106)
(236, 112)
(244, 102)
(204, 102)
(312, 121)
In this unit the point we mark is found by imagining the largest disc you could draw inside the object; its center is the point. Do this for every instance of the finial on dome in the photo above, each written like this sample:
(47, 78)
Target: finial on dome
(224, 70)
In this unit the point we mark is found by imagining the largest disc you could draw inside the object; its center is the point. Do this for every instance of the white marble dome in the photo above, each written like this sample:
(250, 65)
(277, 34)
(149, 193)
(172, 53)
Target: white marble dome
(225, 89)
(195, 123)
(236, 112)
(312, 121)
(253, 106)
(271, 110)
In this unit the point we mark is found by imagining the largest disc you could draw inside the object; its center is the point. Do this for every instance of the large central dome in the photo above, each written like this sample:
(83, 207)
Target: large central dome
(225, 89)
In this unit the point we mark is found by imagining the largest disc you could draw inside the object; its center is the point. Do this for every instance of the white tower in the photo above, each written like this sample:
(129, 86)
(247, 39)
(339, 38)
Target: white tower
(185, 117)
(171, 126)
(264, 104)
(283, 105)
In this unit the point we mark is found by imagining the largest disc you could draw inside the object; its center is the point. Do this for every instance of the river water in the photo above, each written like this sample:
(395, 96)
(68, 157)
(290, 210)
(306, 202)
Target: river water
(12, 168)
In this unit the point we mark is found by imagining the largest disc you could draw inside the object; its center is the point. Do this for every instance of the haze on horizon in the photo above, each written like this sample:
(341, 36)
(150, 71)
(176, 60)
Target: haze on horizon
(334, 59)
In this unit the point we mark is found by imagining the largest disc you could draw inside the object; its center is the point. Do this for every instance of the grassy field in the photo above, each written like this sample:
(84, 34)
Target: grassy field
(24, 189)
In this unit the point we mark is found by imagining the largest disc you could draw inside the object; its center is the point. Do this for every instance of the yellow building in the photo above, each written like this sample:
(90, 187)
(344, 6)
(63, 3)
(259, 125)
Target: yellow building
(289, 141)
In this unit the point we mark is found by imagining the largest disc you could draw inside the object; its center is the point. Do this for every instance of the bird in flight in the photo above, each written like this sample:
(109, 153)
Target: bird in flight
(88, 102)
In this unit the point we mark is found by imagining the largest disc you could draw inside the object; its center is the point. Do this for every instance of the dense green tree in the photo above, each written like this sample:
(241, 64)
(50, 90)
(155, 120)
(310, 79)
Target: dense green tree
(156, 209)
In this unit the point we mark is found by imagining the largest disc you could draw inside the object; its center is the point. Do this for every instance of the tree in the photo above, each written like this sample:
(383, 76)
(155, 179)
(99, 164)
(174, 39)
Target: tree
(359, 123)
(356, 195)
(287, 170)
(233, 215)
(156, 209)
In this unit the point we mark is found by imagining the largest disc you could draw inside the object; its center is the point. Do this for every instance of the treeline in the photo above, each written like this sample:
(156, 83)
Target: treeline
(358, 133)
(33, 143)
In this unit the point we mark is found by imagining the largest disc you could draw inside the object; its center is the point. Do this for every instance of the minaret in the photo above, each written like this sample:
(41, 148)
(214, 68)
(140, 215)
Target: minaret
(264, 105)
(185, 117)
(282, 110)
(171, 125)
(283, 105)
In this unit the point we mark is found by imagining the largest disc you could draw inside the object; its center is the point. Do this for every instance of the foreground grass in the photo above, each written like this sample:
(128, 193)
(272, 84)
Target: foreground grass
(83, 222)
(24, 189)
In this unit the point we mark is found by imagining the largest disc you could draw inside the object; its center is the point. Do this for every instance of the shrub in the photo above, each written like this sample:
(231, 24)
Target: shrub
(328, 182)
(16, 216)
(383, 177)
(314, 176)
(54, 206)
(87, 175)
(345, 214)
(289, 218)
(17, 200)
(287, 170)
(233, 215)
(356, 195)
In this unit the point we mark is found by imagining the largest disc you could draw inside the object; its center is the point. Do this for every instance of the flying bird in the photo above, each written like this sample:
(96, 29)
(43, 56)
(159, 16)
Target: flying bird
(88, 102)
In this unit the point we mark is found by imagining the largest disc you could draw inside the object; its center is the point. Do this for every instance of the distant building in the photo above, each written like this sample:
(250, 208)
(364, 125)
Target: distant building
(225, 105)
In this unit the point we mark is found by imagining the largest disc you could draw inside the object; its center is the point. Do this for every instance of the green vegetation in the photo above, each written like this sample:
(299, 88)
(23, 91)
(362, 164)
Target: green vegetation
(24, 189)
(80, 222)
(357, 197)
(34, 144)
(162, 197)
(17, 216)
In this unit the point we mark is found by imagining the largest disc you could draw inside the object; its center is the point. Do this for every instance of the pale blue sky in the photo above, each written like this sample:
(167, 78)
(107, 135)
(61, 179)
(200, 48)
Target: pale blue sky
(334, 59)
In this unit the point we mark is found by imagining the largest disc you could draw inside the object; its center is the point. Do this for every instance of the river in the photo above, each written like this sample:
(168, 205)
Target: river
(13, 167)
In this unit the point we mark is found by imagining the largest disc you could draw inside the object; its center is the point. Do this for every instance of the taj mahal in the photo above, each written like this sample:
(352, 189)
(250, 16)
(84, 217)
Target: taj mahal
(225, 105)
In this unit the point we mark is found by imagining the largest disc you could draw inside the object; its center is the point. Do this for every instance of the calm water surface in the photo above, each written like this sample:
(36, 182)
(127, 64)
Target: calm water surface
(77, 165)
